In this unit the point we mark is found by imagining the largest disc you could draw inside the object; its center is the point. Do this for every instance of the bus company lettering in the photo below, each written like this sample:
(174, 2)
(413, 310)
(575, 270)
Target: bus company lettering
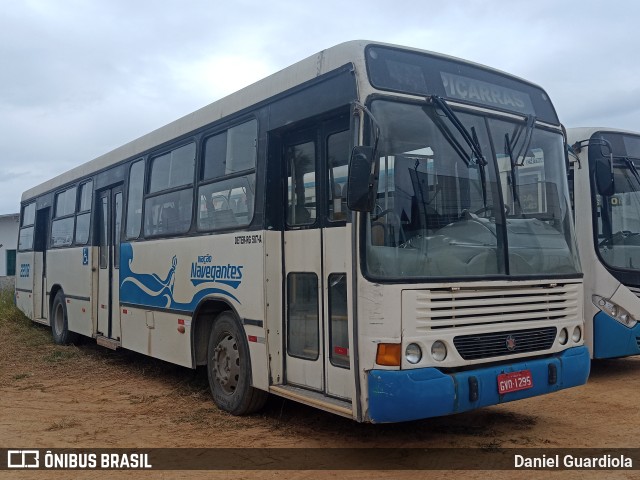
(202, 271)
(465, 88)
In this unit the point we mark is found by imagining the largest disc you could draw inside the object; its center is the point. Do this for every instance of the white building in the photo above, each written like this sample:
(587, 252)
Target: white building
(8, 243)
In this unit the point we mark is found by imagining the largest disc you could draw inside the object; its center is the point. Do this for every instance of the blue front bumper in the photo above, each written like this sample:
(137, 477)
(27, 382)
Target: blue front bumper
(402, 395)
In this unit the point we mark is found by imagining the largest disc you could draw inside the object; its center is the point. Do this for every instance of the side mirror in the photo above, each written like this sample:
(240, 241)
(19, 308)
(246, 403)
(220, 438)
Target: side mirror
(362, 183)
(604, 176)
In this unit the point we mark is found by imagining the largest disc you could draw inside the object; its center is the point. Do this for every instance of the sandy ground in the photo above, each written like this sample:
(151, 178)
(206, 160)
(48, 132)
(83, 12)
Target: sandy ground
(89, 397)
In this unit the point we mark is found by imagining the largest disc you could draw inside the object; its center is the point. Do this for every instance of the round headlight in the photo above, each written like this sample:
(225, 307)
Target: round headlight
(438, 351)
(563, 337)
(576, 336)
(413, 353)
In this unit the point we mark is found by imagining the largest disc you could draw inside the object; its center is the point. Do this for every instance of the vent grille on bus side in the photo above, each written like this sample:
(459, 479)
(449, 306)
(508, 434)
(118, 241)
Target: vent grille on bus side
(486, 345)
(447, 308)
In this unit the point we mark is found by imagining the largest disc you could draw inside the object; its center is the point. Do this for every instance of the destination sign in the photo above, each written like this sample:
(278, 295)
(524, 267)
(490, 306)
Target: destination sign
(477, 91)
(425, 74)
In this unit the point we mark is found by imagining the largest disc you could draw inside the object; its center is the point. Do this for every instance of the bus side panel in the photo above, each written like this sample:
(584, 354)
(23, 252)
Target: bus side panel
(25, 282)
(136, 325)
(66, 267)
(39, 305)
(162, 282)
(273, 303)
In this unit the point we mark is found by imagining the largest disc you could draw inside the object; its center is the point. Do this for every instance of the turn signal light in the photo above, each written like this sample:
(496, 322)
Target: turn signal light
(389, 354)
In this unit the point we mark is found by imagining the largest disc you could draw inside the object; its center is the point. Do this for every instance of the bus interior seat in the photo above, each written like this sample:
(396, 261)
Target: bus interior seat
(378, 234)
(223, 218)
(168, 219)
(298, 214)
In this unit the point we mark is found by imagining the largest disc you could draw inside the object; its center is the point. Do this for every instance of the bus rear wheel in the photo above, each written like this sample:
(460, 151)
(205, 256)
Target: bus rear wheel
(59, 322)
(229, 368)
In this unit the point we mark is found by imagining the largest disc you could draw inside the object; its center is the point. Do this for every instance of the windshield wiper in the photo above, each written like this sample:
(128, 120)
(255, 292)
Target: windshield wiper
(509, 144)
(632, 166)
(471, 140)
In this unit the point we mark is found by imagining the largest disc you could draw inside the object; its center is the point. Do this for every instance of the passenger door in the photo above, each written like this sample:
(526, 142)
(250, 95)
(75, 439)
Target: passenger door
(41, 244)
(317, 258)
(109, 208)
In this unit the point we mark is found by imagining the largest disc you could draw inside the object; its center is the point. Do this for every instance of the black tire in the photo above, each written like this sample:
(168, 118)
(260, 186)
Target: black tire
(229, 368)
(59, 324)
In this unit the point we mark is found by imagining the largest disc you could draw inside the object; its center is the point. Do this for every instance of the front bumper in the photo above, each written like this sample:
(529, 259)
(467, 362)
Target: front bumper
(402, 395)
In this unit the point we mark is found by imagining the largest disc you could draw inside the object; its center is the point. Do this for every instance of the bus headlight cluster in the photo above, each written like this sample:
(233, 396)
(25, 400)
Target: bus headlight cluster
(576, 336)
(413, 353)
(615, 311)
(563, 336)
(438, 351)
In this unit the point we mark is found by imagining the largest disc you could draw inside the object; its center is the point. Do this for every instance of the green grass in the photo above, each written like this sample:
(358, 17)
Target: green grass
(62, 355)
(25, 334)
(8, 310)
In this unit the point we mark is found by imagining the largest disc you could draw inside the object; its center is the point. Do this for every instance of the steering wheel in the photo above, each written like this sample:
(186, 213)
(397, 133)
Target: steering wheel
(486, 208)
(379, 213)
(616, 238)
(410, 243)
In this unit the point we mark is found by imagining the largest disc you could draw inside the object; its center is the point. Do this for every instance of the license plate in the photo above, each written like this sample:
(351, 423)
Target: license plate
(514, 381)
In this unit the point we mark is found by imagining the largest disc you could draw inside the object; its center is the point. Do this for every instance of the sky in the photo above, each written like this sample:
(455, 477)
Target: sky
(79, 78)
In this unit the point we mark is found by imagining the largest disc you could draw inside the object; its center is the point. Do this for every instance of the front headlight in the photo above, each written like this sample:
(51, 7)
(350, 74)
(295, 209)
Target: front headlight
(438, 351)
(563, 336)
(614, 310)
(413, 353)
(576, 336)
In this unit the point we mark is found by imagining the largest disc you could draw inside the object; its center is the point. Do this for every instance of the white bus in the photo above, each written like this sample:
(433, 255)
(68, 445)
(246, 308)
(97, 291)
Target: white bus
(377, 231)
(606, 192)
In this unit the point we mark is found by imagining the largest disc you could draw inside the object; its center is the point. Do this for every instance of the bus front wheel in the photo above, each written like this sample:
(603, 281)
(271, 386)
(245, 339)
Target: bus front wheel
(59, 322)
(229, 368)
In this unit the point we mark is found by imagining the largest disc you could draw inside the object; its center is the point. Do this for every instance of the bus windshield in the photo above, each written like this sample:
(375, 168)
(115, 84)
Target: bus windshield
(442, 211)
(618, 215)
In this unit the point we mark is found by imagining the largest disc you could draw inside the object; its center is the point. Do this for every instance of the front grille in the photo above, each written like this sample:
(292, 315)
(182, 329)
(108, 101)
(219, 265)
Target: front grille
(487, 345)
(442, 308)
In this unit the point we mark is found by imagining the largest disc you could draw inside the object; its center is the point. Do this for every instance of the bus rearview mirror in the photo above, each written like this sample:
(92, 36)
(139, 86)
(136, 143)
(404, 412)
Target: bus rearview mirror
(362, 183)
(604, 176)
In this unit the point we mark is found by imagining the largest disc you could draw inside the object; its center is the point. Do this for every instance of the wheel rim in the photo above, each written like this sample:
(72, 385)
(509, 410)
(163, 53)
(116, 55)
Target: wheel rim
(58, 319)
(226, 363)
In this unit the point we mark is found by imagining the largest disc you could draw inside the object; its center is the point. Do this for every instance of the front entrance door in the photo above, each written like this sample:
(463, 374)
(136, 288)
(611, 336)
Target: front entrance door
(41, 244)
(109, 207)
(317, 258)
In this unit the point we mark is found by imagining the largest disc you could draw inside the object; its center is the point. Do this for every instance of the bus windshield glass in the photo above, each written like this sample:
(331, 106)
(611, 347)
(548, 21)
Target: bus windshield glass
(443, 212)
(618, 216)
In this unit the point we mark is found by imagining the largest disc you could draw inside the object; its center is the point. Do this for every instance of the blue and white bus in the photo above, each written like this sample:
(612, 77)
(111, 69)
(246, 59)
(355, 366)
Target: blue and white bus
(380, 232)
(606, 191)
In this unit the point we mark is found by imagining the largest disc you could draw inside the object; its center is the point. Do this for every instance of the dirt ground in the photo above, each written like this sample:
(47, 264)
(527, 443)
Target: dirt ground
(89, 397)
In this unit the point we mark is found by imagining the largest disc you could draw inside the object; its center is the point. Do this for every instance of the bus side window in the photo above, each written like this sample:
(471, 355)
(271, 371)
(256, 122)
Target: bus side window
(134, 200)
(301, 195)
(338, 165)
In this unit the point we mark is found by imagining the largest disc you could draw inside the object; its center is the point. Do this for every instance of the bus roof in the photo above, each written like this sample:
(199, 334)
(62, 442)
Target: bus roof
(575, 134)
(279, 82)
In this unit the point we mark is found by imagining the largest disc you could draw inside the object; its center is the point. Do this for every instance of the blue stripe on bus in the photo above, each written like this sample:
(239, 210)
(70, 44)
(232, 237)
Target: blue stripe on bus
(611, 339)
(403, 395)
